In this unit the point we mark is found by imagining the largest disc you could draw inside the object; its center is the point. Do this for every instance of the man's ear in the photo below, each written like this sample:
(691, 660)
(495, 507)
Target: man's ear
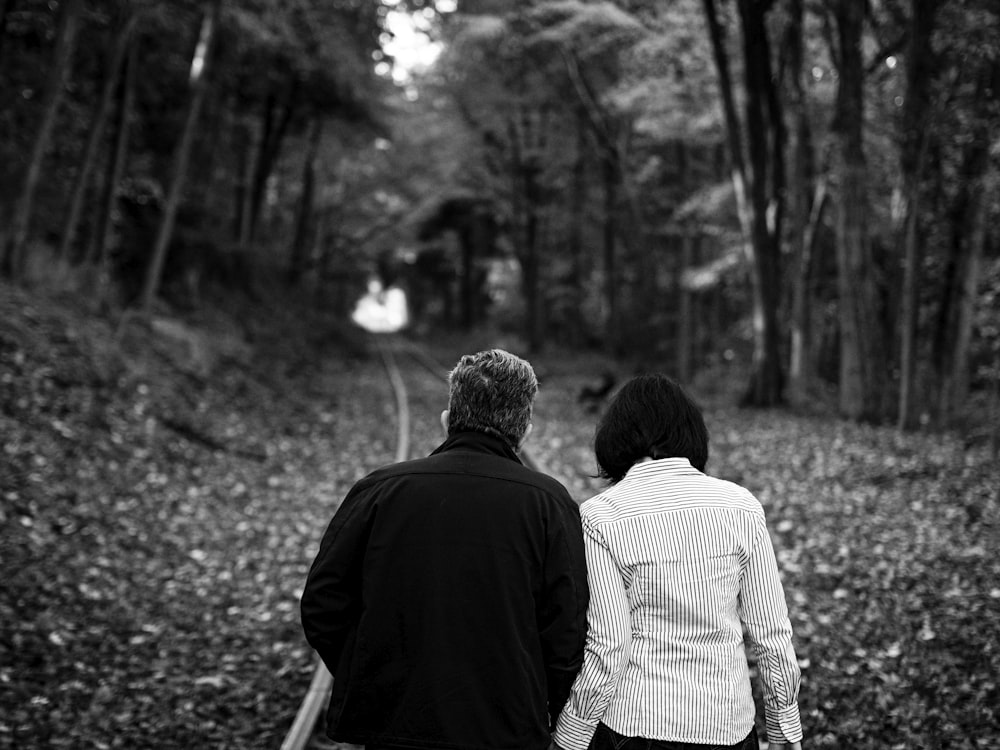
(444, 422)
(524, 438)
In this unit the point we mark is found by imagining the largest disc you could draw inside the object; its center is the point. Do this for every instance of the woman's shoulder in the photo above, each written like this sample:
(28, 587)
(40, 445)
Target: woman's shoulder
(704, 492)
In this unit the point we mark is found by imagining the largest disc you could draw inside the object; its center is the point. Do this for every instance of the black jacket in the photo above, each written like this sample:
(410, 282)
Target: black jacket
(448, 599)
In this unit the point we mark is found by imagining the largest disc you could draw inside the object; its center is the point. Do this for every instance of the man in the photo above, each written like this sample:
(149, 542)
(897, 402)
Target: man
(449, 594)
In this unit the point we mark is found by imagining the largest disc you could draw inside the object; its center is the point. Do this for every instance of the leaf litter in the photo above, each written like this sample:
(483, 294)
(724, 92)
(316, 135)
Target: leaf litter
(156, 525)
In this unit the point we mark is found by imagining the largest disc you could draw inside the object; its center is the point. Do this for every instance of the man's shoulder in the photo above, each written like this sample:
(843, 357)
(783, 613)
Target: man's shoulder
(488, 468)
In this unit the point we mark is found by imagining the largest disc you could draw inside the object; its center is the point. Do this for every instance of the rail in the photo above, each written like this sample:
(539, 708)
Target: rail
(318, 694)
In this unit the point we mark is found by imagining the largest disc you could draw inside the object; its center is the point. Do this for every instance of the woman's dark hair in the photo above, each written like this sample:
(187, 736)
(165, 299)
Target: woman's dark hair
(650, 416)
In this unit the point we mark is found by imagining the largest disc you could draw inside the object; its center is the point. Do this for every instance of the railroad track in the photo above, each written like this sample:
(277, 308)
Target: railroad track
(305, 725)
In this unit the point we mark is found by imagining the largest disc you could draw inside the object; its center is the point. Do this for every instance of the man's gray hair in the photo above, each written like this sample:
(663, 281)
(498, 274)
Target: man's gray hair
(492, 392)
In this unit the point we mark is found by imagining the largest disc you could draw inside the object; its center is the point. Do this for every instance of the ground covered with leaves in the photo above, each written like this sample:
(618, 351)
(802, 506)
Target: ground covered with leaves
(163, 488)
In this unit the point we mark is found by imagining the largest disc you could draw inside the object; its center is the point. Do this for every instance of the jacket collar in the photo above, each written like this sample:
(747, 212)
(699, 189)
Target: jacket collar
(477, 442)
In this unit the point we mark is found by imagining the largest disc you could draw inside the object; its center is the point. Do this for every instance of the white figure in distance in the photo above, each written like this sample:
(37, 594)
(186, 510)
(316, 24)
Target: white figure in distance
(381, 310)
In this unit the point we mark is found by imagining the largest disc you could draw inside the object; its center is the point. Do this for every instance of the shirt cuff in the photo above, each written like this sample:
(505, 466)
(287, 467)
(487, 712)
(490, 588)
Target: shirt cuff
(784, 725)
(573, 733)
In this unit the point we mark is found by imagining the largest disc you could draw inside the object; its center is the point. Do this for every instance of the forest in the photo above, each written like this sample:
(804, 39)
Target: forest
(790, 206)
(801, 194)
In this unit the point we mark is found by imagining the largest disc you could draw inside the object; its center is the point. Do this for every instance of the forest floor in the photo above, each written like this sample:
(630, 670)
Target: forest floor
(163, 488)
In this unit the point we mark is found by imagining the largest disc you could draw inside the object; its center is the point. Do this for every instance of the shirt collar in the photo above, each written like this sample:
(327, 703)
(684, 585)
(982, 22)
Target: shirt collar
(673, 465)
(477, 442)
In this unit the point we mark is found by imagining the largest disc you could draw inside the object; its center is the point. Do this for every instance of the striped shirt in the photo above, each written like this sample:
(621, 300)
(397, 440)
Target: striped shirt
(679, 564)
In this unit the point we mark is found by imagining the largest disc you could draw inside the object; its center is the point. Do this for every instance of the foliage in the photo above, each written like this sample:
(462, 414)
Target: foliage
(524, 110)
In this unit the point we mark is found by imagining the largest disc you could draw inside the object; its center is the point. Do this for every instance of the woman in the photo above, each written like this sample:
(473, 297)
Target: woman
(680, 565)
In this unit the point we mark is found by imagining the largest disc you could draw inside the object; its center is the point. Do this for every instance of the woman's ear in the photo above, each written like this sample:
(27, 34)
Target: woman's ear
(444, 422)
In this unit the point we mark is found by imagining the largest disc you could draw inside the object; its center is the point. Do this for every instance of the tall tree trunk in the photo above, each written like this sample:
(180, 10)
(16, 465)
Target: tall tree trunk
(467, 248)
(758, 184)
(100, 246)
(916, 106)
(801, 173)
(578, 199)
(245, 152)
(687, 324)
(606, 129)
(912, 260)
(112, 77)
(300, 243)
(802, 360)
(528, 138)
(955, 387)
(954, 327)
(12, 261)
(274, 128)
(734, 131)
(199, 87)
(862, 357)
(766, 141)
(532, 262)
(609, 170)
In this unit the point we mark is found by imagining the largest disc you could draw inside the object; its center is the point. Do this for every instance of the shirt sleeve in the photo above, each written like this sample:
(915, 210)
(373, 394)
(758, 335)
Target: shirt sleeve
(765, 616)
(609, 636)
(331, 598)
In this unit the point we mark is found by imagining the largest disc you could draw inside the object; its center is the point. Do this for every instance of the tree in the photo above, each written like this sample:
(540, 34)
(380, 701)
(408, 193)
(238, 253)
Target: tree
(122, 44)
(586, 44)
(915, 126)
(863, 372)
(199, 85)
(972, 69)
(11, 257)
(99, 248)
(757, 159)
(804, 214)
(300, 240)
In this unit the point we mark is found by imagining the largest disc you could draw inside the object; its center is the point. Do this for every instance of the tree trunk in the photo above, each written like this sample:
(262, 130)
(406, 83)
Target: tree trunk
(199, 87)
(862, 370)
(246, 151)
(122, 42)
(916, 106)
(802, 358)
(467, 249)
(912, 260)
(271, 139)
(612, 337)
(801, 174)
(766, 140)
(734, 131)
(758, 184)
(300, 243)
(100, 247)
(955, 388)
(953, 334)
(578, 199)
(686, 322)
(531, 265)
(606, 130)
(12, 261)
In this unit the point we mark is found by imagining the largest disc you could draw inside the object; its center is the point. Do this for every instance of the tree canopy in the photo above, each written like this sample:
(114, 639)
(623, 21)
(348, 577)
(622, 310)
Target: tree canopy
(800, 191)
